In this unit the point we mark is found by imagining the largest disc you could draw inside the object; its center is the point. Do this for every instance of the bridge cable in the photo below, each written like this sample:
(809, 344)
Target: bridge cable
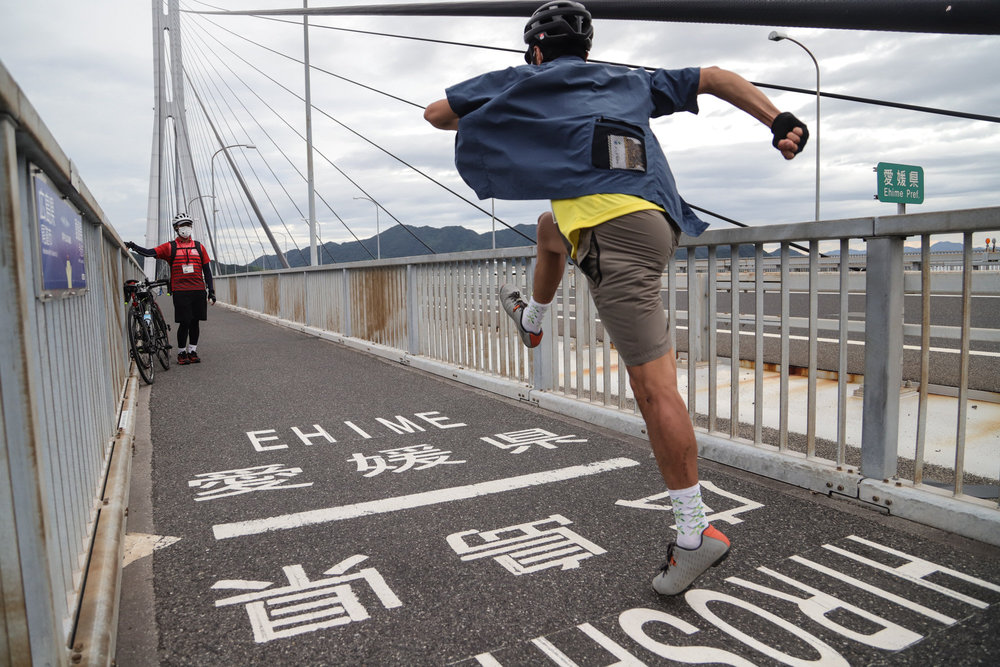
(190, 74)
(970, 17)
(910, 107)
(226, 121)
(292, 127)
(278, 148)
(364, 138)
(721, 217)
(248, 196)
(224, 191)
(358, 134)
(520, 52)
(199, 147)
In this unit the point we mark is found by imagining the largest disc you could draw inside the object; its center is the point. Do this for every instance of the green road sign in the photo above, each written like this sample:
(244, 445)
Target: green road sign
(900, 183)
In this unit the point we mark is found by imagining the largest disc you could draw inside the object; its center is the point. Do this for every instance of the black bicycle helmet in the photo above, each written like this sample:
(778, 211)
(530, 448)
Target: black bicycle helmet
(560, 22)
(182, 219)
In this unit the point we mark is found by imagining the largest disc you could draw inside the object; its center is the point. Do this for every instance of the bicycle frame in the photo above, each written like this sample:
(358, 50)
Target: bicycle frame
(148, 332)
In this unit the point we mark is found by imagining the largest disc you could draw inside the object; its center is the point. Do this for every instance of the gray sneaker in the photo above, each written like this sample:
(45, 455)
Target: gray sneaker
(683, 566)
(512, 302)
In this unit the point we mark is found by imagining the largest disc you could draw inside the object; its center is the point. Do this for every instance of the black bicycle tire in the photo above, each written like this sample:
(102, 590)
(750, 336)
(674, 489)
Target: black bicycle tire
(137, 328)
(160, 330)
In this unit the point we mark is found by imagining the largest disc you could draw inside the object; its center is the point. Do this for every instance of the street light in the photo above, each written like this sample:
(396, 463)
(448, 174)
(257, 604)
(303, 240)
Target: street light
(284, 237)
(188, 207)
(212, 165)
(196, 199)
(378, 240)
(776, 36)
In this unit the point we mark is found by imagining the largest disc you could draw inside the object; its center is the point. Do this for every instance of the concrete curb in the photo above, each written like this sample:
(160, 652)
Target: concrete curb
(97, 625)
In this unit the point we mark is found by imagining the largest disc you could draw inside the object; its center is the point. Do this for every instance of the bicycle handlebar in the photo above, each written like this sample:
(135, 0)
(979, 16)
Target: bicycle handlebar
(136, 287)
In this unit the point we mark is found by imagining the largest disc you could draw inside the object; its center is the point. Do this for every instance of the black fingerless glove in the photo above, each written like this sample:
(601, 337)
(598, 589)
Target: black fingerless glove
(130, 245)
(211, 295)
(784, 123)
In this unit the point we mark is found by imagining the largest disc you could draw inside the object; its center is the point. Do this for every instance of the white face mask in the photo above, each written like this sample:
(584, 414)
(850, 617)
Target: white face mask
(184, 231)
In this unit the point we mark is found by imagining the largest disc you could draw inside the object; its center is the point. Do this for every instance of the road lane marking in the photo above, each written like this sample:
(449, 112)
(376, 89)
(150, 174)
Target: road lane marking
(140, 545)
(224, 531)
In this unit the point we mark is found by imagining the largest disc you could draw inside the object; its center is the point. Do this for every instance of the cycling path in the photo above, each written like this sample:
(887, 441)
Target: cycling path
(316, 505)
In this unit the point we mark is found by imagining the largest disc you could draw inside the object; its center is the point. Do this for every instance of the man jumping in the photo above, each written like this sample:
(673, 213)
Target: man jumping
(578, 134)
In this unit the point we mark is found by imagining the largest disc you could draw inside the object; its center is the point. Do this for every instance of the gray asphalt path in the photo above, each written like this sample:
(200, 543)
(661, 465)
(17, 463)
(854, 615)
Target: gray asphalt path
(332, 508)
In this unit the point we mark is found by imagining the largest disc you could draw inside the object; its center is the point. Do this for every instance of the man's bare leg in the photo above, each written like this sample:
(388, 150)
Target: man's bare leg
(549, 266)
(699, 546)
(671, 433)
(551, 259)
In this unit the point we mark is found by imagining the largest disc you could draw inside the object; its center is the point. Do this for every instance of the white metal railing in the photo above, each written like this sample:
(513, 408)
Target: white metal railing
(795, 385)
(63, 376)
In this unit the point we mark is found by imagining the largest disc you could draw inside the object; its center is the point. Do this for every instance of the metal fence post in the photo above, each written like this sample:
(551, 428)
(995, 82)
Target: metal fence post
(883, 357)
(697, 318)
(412, 311)
(544, 356)
(345, 300)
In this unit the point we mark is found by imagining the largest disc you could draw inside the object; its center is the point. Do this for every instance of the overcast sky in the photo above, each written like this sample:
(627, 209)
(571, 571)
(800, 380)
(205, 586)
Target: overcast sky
(87, 68)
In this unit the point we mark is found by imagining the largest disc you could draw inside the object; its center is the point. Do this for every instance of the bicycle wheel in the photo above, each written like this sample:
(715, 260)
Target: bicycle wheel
(160, 333)
(141, 349)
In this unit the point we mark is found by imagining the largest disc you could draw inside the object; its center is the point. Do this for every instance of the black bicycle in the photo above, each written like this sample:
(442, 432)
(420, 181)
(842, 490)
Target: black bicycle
(148, 331)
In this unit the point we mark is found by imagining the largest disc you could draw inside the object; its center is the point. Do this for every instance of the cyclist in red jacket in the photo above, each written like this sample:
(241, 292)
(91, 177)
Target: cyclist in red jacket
(190, 278)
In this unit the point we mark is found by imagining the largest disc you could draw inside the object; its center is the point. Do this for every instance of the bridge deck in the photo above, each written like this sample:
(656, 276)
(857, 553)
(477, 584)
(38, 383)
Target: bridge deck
(316, 505)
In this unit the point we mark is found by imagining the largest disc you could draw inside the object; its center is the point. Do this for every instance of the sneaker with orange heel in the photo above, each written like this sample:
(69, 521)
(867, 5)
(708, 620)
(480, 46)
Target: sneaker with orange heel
(683, 566)
(514, 306)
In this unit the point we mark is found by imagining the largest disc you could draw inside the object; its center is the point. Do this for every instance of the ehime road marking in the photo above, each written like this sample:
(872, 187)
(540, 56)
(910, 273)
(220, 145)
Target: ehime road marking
(224, 531)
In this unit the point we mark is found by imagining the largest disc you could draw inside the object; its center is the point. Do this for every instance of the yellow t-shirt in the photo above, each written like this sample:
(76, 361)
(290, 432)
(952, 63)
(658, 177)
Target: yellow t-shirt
(578, 213)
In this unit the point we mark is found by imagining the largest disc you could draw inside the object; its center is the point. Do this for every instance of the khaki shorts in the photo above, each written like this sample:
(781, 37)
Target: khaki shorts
(623, 260)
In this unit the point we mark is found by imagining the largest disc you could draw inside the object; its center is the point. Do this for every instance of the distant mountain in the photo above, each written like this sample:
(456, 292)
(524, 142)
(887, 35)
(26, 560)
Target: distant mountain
(940, 246)
(398, 242)
(851, 251)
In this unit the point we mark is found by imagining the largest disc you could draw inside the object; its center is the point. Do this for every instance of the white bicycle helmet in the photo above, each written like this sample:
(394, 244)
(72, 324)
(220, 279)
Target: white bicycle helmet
(182, 219)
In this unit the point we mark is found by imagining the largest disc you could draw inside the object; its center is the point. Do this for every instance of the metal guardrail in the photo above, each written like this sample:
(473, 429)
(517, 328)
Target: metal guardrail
(440, 313)
(63, 384)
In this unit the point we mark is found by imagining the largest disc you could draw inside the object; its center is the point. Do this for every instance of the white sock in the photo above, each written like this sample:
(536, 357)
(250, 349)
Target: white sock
(192, 348)
(531, 317)
(689, 513)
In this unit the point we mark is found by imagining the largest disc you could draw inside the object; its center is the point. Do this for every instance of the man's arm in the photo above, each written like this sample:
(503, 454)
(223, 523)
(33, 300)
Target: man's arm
(742, 94)
(206, 270)
(145, 252)
(440, 115)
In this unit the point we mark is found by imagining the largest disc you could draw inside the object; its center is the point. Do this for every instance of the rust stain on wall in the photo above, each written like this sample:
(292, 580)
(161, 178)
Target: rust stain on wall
(377, 303)
(272, 295)
(299, 303)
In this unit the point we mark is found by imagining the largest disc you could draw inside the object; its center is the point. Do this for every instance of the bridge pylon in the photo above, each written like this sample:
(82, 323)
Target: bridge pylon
(171, 141)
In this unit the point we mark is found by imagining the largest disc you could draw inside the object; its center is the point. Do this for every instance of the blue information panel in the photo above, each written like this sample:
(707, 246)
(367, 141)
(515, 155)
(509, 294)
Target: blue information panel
(60, 238)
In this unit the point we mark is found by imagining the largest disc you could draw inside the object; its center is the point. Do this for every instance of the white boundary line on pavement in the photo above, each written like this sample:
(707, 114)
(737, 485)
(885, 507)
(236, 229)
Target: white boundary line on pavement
(224, 531)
